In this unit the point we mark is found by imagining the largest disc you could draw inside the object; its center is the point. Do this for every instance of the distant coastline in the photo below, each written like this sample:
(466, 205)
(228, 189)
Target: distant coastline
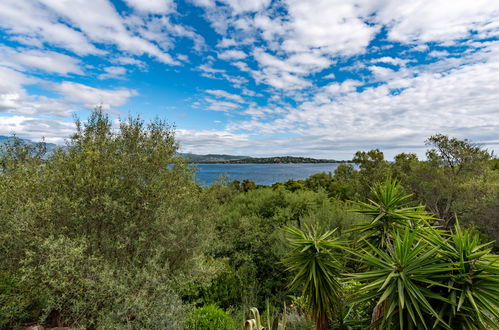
(269, 160)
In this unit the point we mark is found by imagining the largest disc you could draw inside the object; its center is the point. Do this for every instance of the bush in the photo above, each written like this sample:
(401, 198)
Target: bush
(107, 232)
(209, 317)
(296, 321)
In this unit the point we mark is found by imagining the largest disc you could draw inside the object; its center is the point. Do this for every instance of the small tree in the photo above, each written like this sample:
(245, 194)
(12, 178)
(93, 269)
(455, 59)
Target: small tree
(389, 210)
(313, 260)
(451, 162)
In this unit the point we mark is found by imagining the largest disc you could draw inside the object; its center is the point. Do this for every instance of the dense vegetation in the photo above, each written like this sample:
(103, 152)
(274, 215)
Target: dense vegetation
(111, 232)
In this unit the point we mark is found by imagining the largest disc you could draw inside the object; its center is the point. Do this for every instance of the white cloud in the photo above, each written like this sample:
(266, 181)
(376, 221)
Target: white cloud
(101, 23)
(335, 27)
(130, 61)
(211, 141)
(53, 131)
(218, 105)
(225, 94)
(438, 20)
(241, 6)
(28, 21)
(113, 72)
(390, 60)
(14, 98)
(403, 111)
(224, 43)
(48, 61)
(232, 55)
(92, 97)
(151, 6)
(94, 22)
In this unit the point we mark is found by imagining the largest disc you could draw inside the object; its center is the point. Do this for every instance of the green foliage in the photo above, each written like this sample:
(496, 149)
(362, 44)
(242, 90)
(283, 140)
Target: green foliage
(389, 210)
(297, 321)
(209, 317)
(252, 245)
(373, 168)
(400, 280)
(112, 232)
(456, 155)
(343, 185)
(14, 303)
(473, 280)
(15, 152)
(314, 261)
(247, 185)
(277, 323)
(105, 232)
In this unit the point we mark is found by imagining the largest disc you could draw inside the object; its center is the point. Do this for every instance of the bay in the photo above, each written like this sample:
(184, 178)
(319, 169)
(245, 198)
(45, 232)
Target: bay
(262, 174)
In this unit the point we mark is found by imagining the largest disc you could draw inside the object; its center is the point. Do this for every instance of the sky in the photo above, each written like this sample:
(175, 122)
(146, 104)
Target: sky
(315, 78)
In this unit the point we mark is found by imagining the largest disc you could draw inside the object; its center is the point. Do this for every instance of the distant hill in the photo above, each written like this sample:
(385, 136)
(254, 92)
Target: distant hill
(50, 146)
(211, 158)
(228, 159)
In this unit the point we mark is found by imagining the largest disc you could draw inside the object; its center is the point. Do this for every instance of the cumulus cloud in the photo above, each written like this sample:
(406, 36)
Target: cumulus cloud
(232, 55)
(36, 129)
(93, 24)
(404, 110)
(93, 97)
(151, 6)
(225, 94)
(220, 105)
(438, 21)
(113, 72)
(48, 61)
(15, 99)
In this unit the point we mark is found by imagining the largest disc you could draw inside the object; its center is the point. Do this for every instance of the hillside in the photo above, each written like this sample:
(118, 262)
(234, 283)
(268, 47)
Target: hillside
(50, 146)
(211, 158)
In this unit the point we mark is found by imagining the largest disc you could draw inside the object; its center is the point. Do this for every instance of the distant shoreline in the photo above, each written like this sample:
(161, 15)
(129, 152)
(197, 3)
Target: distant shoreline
(273, 160)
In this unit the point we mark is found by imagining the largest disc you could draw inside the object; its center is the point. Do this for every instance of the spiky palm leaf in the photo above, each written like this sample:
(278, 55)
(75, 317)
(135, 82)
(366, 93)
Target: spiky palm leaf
(402, 278)
(473, 280)
(316, 267)
(389, 210)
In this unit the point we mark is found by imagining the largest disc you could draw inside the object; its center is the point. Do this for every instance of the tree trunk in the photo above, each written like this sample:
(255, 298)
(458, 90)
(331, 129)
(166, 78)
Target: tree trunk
(378, 313)
(322, 322)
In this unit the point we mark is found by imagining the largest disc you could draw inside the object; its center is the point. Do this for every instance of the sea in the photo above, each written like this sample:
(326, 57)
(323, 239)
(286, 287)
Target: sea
(262, 174)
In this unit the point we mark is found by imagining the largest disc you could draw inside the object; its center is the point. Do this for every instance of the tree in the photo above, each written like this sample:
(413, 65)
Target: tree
(419, 274)
(441, 181)
(373, 168)
(456, 155)
(106, 232)
(313, 260)
(399, 279)
(389, 211)
(471, 280)
(248, 185)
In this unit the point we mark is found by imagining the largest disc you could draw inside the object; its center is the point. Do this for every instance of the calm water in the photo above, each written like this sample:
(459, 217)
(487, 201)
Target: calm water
(264, 174)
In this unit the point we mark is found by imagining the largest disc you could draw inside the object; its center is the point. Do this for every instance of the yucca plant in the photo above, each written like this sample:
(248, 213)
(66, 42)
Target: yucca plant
(314, 261)
(389, 210)
(473, 279)
(256, 322)
(401, 279)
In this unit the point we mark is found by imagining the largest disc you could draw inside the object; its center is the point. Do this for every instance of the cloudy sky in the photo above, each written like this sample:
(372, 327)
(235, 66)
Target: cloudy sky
(320, 78)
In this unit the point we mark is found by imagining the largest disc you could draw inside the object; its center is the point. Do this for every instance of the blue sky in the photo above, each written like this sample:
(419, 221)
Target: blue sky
(319, 78)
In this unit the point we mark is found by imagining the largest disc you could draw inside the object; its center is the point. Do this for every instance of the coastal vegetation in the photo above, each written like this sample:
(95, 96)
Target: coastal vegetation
(112, 232)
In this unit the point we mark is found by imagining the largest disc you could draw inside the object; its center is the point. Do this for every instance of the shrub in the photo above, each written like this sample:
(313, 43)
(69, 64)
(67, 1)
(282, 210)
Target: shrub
(209, 317)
